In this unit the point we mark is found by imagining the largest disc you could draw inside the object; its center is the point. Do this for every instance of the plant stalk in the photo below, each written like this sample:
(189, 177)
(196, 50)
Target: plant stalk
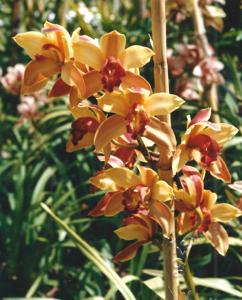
(158, 14)
(200, 31)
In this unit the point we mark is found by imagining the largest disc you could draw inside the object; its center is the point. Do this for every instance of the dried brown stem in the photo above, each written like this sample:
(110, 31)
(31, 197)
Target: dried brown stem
(200, 30)
(162, 85)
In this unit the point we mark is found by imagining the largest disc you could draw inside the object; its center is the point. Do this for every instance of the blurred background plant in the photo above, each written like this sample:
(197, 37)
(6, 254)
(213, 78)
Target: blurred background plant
(36, 256)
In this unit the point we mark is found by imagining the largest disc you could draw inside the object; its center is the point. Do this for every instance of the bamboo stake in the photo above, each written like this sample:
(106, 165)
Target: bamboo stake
(200, 30)
(162, 85)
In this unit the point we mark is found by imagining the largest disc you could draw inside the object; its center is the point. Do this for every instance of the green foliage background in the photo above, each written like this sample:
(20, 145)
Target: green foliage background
(37, 258)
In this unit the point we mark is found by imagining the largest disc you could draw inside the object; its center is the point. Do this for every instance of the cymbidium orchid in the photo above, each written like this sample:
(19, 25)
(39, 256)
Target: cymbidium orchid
(134, 113)
(143, 193)
(51, 52)
(137, 227)
(112, 64)
(203, 142)
(199, 211)
(83, 128)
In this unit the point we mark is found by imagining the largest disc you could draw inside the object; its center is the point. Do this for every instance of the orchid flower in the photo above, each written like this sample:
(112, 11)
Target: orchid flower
(51, 53)
(134, 194)
(112, 64)
(203, 142)
(199, 211)
(134, 114)
(87, 120)
(137, 227)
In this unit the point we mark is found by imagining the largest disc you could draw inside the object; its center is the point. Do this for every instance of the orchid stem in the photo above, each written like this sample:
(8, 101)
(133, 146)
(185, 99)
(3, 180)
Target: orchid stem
(189, 280)
(158, 13)
(211, 93)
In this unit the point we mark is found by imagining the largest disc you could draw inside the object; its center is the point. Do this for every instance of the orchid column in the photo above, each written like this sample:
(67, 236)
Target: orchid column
(162, 85)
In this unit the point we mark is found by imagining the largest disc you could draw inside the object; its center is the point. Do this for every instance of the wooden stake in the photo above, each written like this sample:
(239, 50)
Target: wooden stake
(158, 13)
(200, 30)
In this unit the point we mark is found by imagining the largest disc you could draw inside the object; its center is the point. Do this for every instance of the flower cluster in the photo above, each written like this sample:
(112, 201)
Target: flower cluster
(29, 105)
(115, 111)
(180, 10)
(194, 71)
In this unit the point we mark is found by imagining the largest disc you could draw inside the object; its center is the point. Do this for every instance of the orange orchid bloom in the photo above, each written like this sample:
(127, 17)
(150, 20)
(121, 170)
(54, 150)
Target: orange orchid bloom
(51, 52)
(87, 119)
(199, 211)
(143, 193)
(112, 64)
(137, 227)
(203, 142)
(133, 112)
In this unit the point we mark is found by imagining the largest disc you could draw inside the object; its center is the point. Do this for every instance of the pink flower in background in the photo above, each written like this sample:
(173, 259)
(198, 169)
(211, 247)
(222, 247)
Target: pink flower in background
(28, 107)
(12, 80)
(187, 55)
(208, 70)
(189, 88)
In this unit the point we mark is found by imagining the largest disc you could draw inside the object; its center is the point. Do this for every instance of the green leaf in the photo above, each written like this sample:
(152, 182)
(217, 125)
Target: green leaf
(218, 284)
(93, 255)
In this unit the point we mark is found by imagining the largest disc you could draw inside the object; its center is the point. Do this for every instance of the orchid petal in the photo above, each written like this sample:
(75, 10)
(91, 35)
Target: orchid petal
(136, 56)
(59, 89)
(112, 44)
(133, 232)
(41, 66)
(161, 191)
(32, 42)
(162, 104)
(148, 176)
(115, 179)
(127, 253)
(109, 129)
(89, 54)
(135, 82)
(224, 212)
(202, 116)
(93, 83)
(220, 170)
(218, 237)
(72, 76)
(117, 103)
(86, 141)
(163, 216)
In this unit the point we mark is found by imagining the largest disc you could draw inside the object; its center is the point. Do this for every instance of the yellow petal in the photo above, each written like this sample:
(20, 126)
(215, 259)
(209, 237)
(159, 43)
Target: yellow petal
(133, 232)
(163, 216)
(86, 141)
(180, 158)
(218, 237)
(89, 54)
(87, 111)
(224, 212)
(32, 42)
(41, 66)
(73, 77)
(223, 135)
(39, 84)
(93, 83)
(161, 191)
(117, 103)
(136, 56)
(115, 205)
(185, 223)
(111, 128)
(162, 134)
(148, 176)
(220, 170)
(115, 179)
(135, 82)
(162, 104)
(112, 44)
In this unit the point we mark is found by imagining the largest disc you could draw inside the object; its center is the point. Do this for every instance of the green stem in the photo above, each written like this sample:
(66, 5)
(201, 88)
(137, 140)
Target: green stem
(189, 280)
